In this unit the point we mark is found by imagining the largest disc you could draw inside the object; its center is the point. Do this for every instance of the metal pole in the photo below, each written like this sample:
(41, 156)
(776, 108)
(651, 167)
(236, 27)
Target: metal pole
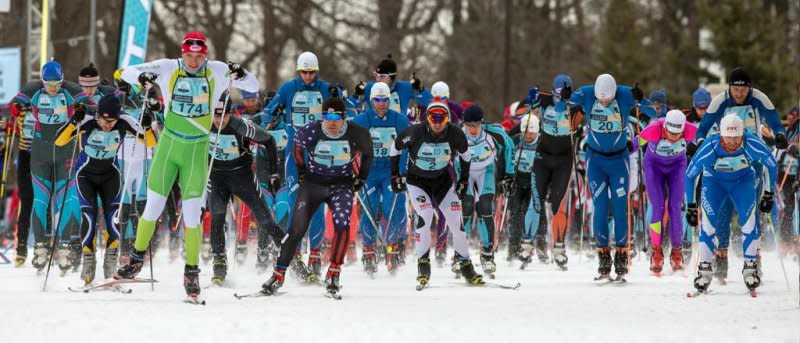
(92, 29)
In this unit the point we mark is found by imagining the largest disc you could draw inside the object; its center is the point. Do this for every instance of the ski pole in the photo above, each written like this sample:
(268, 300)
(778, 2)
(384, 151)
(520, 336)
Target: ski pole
(127, 176)
(9, 146)
(391, 213)
(369, 215)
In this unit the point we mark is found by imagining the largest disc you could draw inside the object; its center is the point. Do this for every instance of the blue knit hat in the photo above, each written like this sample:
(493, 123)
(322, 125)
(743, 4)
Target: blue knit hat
(701, 98)
(659, 96)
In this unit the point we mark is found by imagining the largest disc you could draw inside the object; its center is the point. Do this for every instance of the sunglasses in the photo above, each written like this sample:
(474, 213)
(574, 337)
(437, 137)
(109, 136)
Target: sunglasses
(380, 100)
(308, 72)
(385, 75)
(335, 115)
(51, 84)
(194, 42)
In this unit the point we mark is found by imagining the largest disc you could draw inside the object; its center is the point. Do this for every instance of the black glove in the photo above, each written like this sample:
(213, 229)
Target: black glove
(79, 113)
(508, 185)
(398, 183)
(691, 215)
(147, 119)
(416, 84)
(691, 148)
(147, 79)
(334, 91)
(358, 184)
(153, 104)
(638, 95)
(767, 200)
(461, 188)
(235, 70)
(360, 89)
(566, 92)
(781, 142)
(274, 183)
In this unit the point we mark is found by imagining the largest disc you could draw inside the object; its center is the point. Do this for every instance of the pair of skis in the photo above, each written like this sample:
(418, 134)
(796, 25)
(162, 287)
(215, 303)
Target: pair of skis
(112, 284)
(695, 294)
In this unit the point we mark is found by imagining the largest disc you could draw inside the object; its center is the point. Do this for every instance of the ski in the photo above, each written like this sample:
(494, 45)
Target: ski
(421, 286)
(113, 282)
(333, 295)
(194, 300)
(489, 284)
(92, 288)
(696, 294)
(753, 293)
(257, 294)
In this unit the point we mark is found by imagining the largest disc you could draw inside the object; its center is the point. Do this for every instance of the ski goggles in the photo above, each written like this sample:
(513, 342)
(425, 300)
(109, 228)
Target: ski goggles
(51, 84)
(332, 115)
(194, 42)
(380, 100)
(385, 75)
(437, 116)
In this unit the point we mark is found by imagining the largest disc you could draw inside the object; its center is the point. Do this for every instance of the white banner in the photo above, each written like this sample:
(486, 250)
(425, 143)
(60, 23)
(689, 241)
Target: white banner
(10, 73)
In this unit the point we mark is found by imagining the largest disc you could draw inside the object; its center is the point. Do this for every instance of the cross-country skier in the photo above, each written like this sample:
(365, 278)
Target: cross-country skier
(664, 165)
(89, 80)
(325, 152)
(98, 175)
(788, 177)
(403, 92)
(524, 205)
(432, 186)
(25, 130)
(190, 84)
(383, 125)
(729, 163)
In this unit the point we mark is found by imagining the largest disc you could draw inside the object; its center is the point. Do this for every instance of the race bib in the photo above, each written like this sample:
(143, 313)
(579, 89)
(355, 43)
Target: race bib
(729, 164)
(306, 108)
(481, 151)
(667, 149)
(227, 147)
(190, 97)
(332, 153)
(433, 156)
(747, 114)
(394, 102)
(555, 123)
(28, 125)
(524, 159)
(102, 145)
(52, 109)
(382, 140)
(605, 119)
(281, 138)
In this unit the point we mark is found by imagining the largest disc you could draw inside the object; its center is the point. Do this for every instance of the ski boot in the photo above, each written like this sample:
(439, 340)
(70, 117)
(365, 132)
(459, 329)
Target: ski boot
(315, 263)
(241, 252)
(332, 285)
(351, 256)
(540, 244)
(526, 251)
(423, 270)
(441, 256)
(220, 264)
(89, 266)
(721, 265)
(110, 262)
(752, 279)
(41, 253)
(191, 280)
(392, 258)
(469, 274)
(64, 253)
(513, 252)
(676, 259)
(274, 283)
(621, 263)
(657, 260)
(455, 265)
(262, 260)
(704, 274)
(75, 252)
(301, 271)
(604, 267)
(560, 255)
(22, 255)
(205, 250)
(487, 262)
(134, 266)
(369, 260)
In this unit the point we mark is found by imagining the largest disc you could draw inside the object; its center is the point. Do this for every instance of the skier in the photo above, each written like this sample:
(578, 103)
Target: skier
(701, 99)
(606, 106)
(729, 163)
(524, 205)
(491, 151)
(664, 166)
(431, 185)
(325, 152)
(89, 80)
(788, 186)
(301, 100)
(232, 175)
(383, 125)
(553, 167)
(190, 86)
(658, 99)
(98, 175)
(51, 107)
(440, 91)
(403, 92)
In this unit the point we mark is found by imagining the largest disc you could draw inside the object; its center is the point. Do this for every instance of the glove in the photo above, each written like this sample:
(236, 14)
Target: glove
(638, 95)
(508, 185)
(274, 183)
(358, 183)
(235, 70)
(147, 79)
(124, 87)
(691, 148)
(416, 84)
(360, 89)
(566, 92)
(781, 142)
(461, 188)
(153, 104)
(147, 120)
(767, 200)
(334, 91)
(398, 183)
(691, 214)
(78, 114)
(533, 95)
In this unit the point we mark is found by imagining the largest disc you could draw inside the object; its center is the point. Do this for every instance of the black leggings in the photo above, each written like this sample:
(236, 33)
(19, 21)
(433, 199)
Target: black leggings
(788, 194)
(25, 194)
(107, 186)
(552, 179)
(310, 196)
(517, 207)
(241, 183)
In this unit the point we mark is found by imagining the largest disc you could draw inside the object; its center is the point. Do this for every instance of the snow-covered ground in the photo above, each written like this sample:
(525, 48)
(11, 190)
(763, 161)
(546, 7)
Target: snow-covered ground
(551, 306)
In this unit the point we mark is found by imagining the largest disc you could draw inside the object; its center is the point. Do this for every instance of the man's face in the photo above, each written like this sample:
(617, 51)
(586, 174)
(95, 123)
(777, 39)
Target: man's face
(672, 137)
(52, 87)
(333, 126)
(380, 105)
(605, 102)
(105, 123)
(308, 76)
(90, 90)
(221, 122)
(530, 136)
(656, 106)
(473, 129)
(731, 144)
(701, 111)
(739, 94)
(193, 61)
(250, 104)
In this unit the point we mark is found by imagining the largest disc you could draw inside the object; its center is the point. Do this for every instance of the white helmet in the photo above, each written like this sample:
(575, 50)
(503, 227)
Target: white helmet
(675, 121)
(731, 126)
(605, 87)
(440, 90)
(529, 123)
(307, 61)
(379, 90)
(512, 109)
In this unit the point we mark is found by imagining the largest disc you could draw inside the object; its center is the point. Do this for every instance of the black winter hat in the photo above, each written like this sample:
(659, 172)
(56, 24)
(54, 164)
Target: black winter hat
(739, 77)
(387, 66)
(109, 107)
(473, 114)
